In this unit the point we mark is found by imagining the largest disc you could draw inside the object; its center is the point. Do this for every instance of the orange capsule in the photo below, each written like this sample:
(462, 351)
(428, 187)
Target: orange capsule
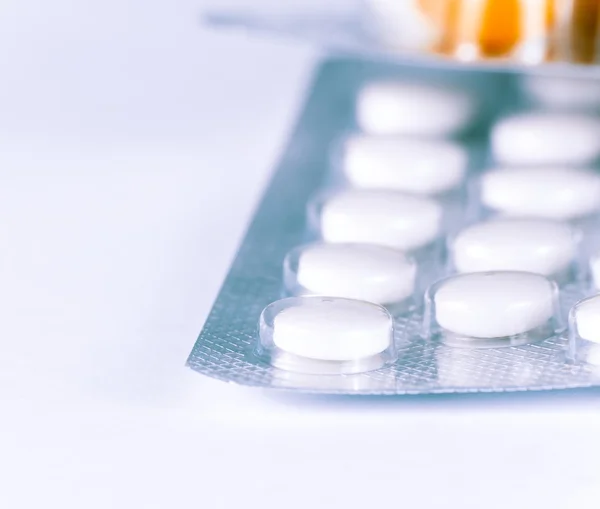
(500, 29)
(584, 40)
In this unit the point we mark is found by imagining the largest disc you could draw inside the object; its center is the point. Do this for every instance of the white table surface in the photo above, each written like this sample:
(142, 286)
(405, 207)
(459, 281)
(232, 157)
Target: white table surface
(133, 148)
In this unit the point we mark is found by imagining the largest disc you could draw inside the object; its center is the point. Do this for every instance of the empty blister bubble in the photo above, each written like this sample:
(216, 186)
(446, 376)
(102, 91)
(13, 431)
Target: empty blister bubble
(489, 309)
(584, 331)
(356, 271)
(563, 92)
(414, 165)
(388, 218)
(393, 107)
(326, 335)
(473, 367)
(543, 138)
(551, 193)
(531, 245)
(349, 383)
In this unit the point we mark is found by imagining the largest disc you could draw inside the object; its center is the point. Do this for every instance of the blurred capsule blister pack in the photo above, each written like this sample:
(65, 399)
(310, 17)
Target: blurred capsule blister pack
(426, 231)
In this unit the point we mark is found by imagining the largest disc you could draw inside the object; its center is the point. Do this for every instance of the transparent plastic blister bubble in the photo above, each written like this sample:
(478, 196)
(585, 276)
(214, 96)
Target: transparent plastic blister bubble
(326, 335)
(368, 272)
(541, 246)
(562, 93)
(543, 137)
(389, 261)
(492, 309)
(390, 162)
(584, 332)
(559, 193)
(378, 216)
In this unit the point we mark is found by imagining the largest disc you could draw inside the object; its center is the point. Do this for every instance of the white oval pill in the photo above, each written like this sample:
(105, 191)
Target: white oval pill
(387, 218)
(410, 108)
(587, 319)
(333, 329)
(546, 139)
(413, 165)
(592, 355)
(531, 245)
(494, 304)
(357, 271)
(595, 270)
(561, 92)
(553, 193)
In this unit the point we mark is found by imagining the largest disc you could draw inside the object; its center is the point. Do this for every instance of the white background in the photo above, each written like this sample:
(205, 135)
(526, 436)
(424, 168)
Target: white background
(133, 148)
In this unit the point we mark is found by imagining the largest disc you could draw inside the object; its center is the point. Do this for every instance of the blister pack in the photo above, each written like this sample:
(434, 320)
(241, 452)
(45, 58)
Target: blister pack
(426, 231)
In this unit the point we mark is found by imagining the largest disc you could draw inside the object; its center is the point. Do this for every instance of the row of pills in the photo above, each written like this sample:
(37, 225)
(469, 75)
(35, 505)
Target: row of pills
(580, 134)
(557, 192)
(389, 276)
(381, 236)
(550, 157)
